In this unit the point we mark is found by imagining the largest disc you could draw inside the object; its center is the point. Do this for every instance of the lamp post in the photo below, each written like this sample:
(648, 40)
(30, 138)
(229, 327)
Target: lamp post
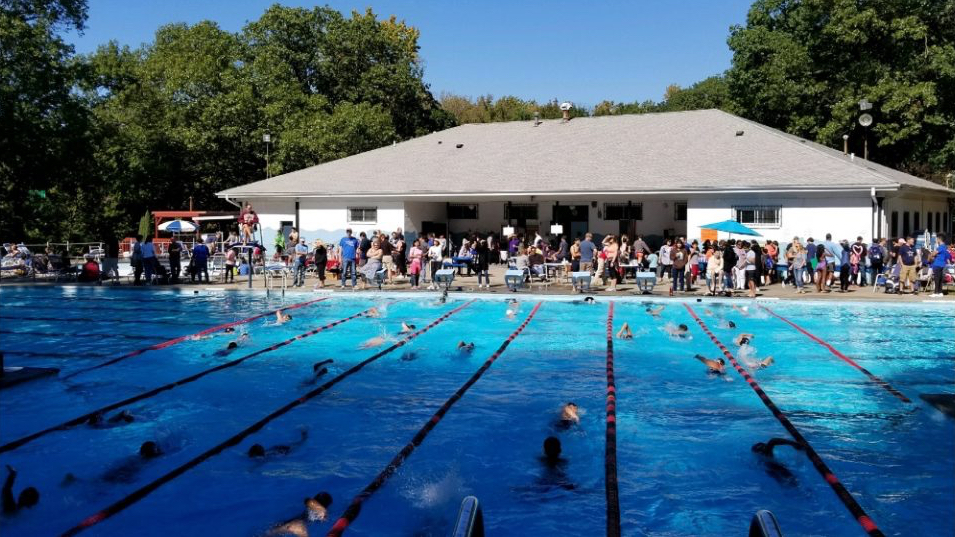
(865, 120)
(267, 139)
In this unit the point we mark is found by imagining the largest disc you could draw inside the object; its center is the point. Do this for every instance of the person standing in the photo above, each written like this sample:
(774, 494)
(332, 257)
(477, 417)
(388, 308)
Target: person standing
(798, 264)
(301, 254)
(200, 261)
(364, 244)
(907, 254)
(845, 267)
(320, 258)
(612, 251)
(175, 259)
(230, 265)
(435, 256)
(666, 261)
(940, 260)
(415, 256)
(575, 255)
(135, 259)
(876, 256)
(751, 267)
(857, 260)
(149, 259)
(481, 263)
(587, 252)
(812, 257)
(729, 265)
(678, 259)
(349, 252)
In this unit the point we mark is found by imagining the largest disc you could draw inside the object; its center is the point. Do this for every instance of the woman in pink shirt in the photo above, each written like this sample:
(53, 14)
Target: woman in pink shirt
(414, 258)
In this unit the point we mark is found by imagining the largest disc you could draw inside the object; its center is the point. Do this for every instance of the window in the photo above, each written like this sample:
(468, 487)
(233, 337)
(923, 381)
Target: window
(918, 217)
(895, 224)
(363, 215)
(520, 211)
(462, 211)
(623, 211)
(906, 230)
(679, 211)
(758, 216)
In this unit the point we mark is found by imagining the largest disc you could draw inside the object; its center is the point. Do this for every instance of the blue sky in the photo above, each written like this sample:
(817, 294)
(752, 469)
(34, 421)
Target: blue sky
(579, 51)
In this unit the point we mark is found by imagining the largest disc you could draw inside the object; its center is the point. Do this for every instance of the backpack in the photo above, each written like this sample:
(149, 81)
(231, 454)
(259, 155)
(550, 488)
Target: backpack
(875, 252)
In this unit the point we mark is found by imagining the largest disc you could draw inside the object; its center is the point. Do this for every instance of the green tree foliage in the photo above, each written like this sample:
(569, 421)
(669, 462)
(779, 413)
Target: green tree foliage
(803, 66)
(712, 92)
(485, 109)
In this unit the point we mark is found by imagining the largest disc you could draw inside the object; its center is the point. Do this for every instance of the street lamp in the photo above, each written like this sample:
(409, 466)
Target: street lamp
(267, 139)
(865, 120)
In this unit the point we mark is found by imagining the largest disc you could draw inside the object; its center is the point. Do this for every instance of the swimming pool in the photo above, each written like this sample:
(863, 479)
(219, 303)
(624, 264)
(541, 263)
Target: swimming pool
(684, 463)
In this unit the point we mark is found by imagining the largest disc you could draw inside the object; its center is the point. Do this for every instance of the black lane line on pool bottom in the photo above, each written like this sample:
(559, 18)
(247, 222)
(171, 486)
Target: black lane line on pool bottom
(180, 339)
(146, 490)
(166, 387)
(610, 453)
(885, 385)
(847, 499)
(353, 510)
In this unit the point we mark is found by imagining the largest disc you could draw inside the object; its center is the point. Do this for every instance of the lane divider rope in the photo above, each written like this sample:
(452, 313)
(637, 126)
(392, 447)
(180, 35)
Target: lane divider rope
(888, 387)
(175, 384)
(354, 508)
(146, 490)
(610, 453)
(180, 339)
(847, 499)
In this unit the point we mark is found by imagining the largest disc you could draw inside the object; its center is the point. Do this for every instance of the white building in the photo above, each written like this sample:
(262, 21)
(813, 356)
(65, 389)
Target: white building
(654, 174)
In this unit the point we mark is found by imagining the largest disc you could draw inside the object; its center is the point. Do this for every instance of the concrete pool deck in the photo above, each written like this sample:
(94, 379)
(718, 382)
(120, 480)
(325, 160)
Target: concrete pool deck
(469, 284)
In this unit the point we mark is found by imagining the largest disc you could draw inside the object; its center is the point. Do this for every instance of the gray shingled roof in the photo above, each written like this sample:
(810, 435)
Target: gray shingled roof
(675, 151)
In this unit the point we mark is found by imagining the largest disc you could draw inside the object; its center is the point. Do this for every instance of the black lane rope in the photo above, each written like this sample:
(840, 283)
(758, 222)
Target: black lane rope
(146, 490)
(166, 387)
(180, 339)
(87, 334)
(847, 499)
(353, 510)
(610, 453)
(885, 385)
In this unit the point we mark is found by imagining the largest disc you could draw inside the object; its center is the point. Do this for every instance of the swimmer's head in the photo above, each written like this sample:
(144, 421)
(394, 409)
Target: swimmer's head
(29, 497)
(323, 498)
(731, 324)
(149, 449)
(256, 451)
(684, 328)
(589, 299)
(571, 405)
(233, 345)
(229, 330)
(552, 448)
(287, 317)
(722, 362)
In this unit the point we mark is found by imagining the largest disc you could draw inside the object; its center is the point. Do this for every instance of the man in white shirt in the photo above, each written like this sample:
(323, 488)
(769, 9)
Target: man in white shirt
(435, 255)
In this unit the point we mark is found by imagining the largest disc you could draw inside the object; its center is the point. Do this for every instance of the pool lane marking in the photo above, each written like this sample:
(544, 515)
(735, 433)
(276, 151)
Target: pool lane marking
(354, 508)
(610, 453)
(87, 334)
(175, 384)
(96, 320)
(888, 387)
(180, 339)
(847, 499)
(146, 490)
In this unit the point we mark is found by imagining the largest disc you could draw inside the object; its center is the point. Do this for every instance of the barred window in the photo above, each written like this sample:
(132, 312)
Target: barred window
(623, 211)
(363, 215)
(758, 216)
(679, 211)
(520, 211)
(463, 211)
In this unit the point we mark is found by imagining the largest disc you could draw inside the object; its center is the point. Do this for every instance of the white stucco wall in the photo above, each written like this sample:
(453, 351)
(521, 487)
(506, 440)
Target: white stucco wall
(846, 216)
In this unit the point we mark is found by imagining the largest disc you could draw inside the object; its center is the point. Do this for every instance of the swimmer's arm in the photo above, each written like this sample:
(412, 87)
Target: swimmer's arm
(9, 503)
(773, 442)
(702, 359)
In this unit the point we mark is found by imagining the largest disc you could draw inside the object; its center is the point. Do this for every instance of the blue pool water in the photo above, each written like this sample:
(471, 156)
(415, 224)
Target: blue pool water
(684, 461)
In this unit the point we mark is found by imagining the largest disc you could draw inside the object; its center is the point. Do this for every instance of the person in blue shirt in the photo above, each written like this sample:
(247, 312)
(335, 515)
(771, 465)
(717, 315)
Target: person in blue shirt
(200, 262)
(301, 253)
(349, 247)
(943, 257)
(906, 258)
(587, 251)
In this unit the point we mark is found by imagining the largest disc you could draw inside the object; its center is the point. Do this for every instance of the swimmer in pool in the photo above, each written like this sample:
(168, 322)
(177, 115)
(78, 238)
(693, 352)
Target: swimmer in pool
(742, 310)
(99, 421)
(655, 311)
(714, 366)
(28, 497)
(681, 331)
(709, 312)
(376, 341)
(316, 510)
(409, 356)
(405, 328)
(625, 332)
(122, 417)
(512, 309)
(569, 416)
(726, 324)
(317, 365)
(317, 372)
(373, 313)
(776, 470)
(466, 347)
(126, 471)
(589, 300)
(229, 348)
(281, 318)
(256, 451)
(552, 451)
(743, 339)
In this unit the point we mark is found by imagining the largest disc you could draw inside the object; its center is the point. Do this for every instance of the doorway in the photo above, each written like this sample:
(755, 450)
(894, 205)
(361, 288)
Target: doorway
(574, 219)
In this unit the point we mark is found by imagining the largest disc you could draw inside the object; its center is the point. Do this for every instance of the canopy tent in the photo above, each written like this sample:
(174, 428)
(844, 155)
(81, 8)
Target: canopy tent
(731, 226)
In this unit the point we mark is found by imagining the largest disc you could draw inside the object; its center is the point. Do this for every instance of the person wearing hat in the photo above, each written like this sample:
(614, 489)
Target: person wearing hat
(301, 253)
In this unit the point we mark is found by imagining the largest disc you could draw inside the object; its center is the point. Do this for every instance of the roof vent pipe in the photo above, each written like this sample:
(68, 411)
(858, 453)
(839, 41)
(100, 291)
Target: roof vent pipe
(845, 144)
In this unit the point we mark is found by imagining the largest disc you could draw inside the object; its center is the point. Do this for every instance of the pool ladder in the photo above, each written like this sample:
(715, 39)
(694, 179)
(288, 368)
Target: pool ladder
(470, 521)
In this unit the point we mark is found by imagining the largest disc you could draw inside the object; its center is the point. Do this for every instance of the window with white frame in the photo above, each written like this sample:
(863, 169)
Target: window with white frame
(623, 211)
(679, 211)
(463, 211)
(362, 215)
(758, 215)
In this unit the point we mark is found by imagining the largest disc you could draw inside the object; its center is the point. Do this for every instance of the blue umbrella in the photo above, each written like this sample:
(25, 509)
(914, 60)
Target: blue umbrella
(731, 226)
(178, 226)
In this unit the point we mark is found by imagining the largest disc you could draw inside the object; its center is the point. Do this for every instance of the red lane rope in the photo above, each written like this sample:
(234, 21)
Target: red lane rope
(847, 499)
(155, 391)
(146, 490)
(180, 339)
(888, 387)
(353, 510)
(610, 454)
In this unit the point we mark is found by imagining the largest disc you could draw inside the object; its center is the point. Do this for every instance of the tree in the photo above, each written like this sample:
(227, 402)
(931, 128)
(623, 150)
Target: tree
(803, 67)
